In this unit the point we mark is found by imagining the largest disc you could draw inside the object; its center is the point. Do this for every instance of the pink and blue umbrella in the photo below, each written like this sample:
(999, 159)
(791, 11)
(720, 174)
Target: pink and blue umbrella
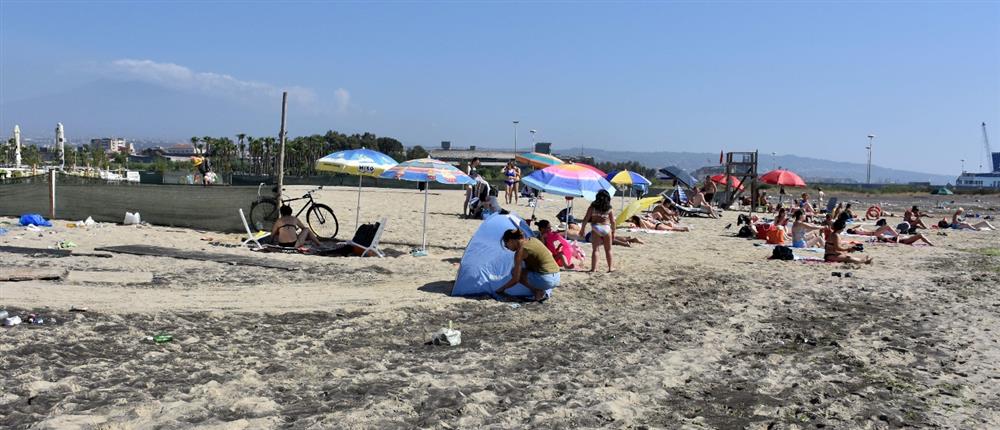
(427, 170)
(571, 180)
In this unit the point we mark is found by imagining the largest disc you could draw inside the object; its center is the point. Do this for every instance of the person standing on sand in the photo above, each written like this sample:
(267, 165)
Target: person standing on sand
(473, 172)
(534, 266)
(602, 220)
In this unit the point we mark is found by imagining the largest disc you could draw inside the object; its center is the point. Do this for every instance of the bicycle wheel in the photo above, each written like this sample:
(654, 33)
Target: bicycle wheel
(322, 221)
(263, 213)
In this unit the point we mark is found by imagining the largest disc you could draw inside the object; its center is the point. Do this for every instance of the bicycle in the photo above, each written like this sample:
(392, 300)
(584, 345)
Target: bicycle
(319, 217)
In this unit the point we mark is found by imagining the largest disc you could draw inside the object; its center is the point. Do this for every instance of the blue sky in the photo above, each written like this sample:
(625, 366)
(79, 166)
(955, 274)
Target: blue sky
(802, 78)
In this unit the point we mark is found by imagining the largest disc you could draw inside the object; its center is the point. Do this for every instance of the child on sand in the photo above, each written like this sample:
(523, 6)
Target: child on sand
(560, 248)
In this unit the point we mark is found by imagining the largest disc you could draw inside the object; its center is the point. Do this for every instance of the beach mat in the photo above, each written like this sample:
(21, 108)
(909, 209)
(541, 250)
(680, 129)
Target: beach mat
(159, 251)
(30, 274)
(49, 252)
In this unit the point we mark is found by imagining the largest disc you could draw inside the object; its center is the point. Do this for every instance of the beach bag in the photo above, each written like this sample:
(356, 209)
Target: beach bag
(782, 253)
(762, 230)
(776, 236)
(35, 220)
(745, 232)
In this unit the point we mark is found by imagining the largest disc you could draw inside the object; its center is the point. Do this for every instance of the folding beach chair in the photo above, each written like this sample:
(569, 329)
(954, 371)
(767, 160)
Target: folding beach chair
(252, 238)
(373, 247)
(686, 210)
(830, 204)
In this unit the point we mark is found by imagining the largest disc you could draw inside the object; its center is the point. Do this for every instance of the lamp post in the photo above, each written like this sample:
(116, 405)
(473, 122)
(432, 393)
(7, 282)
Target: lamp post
(515, 137)
(963, 165)
(532, 131)
(871, 137)
(774, 160)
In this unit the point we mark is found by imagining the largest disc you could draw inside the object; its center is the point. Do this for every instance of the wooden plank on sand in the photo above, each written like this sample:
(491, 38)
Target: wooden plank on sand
(30, 274)
(159, 251)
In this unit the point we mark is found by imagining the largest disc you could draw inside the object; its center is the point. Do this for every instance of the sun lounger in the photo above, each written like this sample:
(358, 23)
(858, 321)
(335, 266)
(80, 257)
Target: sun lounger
(687, 210)
(373, 248)
(252, 238)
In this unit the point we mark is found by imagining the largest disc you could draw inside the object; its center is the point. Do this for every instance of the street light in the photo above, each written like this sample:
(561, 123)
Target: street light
(870, 138)
(774, 160)
(963, 165)
(515, 137)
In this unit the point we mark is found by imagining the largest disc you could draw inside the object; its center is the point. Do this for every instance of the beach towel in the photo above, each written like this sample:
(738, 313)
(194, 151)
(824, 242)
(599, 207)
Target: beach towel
(647, 231)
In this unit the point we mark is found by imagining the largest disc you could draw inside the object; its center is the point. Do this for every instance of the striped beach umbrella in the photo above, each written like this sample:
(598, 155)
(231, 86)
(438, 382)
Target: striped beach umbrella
(361, 162)
(427, 170)
(537, 159)
(596, 170)
(571, 180)
(626, 179)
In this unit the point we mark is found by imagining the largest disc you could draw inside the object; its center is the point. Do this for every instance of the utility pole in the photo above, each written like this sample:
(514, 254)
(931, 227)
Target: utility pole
(869, 177)
(515, 137)
(281, 150)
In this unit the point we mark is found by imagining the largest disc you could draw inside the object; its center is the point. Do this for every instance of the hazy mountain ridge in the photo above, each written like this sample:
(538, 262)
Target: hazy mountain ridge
(809, 168)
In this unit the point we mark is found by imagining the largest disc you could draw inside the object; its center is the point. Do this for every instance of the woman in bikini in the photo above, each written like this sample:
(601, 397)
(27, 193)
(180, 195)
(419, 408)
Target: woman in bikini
(602, 220)
(959, 223)
(652, 223)
(836, 253)
(289, 232)
(510, 179)
(803, 235)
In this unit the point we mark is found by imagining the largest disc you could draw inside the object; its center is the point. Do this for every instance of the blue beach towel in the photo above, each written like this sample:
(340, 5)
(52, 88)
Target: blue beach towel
(34, 219)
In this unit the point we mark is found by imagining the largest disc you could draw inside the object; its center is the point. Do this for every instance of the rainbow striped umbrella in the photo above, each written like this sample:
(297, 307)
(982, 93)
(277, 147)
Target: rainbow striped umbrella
(537, 159)
(361, 162)
(427, 170)
(571, 180)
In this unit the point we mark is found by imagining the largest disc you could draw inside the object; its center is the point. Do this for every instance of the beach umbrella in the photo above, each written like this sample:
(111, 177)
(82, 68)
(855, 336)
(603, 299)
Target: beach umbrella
(596, 170)
(678, 174)
(427, 170)
(537, 159)
(626, 178)
(570, 180)
(733, 182)
(361, 162)
(636, 207)
(786, 178)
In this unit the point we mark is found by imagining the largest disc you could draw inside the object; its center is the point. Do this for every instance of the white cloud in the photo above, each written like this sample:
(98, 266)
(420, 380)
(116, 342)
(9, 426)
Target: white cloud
(182, 78)
(343, 99)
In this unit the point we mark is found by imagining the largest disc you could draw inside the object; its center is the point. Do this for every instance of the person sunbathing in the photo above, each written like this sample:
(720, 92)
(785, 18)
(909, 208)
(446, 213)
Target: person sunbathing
(803, 233)
(666, 211)
(534, 266)
(781, 219)
(698, 201)
(837, 253)
(959, 223)
(654, 224)
(288, 231)
(912, 216)
(906, 240)
(573, 231)
(882, 230)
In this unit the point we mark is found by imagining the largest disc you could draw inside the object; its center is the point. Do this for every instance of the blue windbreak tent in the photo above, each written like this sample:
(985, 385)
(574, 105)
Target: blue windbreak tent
(486, 264)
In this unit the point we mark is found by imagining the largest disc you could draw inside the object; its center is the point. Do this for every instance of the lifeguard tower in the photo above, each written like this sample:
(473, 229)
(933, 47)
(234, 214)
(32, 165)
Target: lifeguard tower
(742, 166)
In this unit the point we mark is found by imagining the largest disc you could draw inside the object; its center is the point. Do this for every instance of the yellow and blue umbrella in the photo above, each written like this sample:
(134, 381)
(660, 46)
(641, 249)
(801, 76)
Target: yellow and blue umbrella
(427, 170)
(627, 179)
(537, 159)
(636, 207)
(361, 162)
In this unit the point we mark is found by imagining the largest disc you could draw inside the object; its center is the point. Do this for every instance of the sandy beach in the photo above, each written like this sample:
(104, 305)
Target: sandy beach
(694, 330)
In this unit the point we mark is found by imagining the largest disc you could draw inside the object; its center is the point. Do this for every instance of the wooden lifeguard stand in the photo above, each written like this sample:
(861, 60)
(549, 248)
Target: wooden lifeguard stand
(743, 166)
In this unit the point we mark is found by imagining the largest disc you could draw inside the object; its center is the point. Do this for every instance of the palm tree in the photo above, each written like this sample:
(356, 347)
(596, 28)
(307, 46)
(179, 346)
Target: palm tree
(242, 146)
(194, 142)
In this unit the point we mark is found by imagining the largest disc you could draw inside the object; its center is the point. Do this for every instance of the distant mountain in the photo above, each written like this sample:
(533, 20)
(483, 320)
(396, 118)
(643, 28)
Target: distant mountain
(813, 169)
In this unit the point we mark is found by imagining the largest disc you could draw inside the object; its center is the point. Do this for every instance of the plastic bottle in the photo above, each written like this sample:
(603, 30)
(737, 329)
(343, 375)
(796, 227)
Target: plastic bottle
(4, 314)
(162, 338)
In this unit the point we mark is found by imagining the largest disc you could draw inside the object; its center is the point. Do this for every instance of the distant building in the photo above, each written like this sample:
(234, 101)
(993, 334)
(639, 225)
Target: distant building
(182, 150)
(112, 145)
(463, 156)
(982, 180)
